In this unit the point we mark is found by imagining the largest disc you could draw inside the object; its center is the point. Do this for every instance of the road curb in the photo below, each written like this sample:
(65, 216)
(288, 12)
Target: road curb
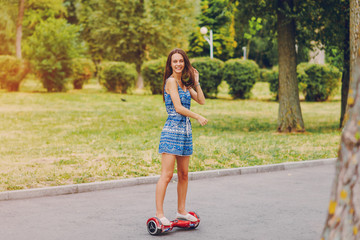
(96, 186)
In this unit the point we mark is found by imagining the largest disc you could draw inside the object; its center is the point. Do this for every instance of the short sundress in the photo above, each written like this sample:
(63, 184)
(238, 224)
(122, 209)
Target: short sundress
(176, 136)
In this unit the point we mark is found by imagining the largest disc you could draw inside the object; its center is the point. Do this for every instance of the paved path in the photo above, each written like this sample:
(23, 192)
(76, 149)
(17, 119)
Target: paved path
(287, 205)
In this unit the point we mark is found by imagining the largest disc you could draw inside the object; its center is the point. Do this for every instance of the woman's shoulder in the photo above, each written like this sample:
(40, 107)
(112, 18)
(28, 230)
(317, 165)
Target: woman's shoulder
(171, 80)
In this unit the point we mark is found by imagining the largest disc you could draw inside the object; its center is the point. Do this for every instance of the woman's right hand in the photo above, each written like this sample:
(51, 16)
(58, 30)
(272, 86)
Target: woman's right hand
(203, 121)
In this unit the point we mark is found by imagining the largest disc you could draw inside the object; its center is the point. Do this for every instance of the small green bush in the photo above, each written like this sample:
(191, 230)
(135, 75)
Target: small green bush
(118, 76)
(153, 73)
(51, 49)
(210, 74)
(83, 70)
(12, 72)
(241, 76)
(320, 81)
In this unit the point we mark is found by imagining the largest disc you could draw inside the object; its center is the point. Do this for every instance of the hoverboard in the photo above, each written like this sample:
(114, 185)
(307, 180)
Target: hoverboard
(155, 227)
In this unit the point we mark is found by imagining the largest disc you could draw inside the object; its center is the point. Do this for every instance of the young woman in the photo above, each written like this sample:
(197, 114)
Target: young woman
(181, 83)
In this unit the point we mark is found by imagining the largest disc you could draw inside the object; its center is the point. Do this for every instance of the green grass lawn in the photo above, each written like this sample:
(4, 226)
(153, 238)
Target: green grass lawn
(90, 135)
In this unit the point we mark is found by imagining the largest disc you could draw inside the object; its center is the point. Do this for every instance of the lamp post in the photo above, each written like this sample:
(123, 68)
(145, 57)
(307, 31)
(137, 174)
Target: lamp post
(244, 51)
(204, 31)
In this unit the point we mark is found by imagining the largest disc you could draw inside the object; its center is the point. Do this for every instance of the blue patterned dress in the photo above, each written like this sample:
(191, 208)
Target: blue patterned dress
(176, 136)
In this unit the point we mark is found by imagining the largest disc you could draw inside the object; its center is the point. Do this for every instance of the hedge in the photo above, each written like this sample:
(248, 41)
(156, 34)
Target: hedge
(153, 73)
(211, 73)
(241, 76)
(117, 76)
(12, 72)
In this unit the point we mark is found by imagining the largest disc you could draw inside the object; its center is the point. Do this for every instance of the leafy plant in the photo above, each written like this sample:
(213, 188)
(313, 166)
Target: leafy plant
(320, 81)
(210, 71)
(12, 72)
(153, 72)
(118, 76)
(241, 76)
(272, 77)
(51, 49)
(83, 70)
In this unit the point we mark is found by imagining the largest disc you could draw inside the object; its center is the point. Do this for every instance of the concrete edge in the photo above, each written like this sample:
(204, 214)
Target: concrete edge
(96, 186)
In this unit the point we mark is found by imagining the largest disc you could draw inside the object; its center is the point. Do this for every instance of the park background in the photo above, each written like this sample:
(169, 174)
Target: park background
(80, 100)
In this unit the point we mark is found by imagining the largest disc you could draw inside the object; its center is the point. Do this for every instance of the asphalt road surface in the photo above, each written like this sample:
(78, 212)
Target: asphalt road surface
(287, 205)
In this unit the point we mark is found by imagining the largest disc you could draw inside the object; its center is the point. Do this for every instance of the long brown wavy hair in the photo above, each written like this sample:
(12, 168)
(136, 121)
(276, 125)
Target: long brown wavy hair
(188, 75)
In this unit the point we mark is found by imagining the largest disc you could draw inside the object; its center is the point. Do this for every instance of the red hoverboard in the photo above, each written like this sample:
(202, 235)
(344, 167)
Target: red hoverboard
(155, 227)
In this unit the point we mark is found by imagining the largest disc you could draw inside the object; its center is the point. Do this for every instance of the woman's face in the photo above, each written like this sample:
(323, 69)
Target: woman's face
(177, 63)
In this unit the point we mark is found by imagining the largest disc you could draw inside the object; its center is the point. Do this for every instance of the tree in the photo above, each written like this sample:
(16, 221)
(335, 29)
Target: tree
(215, 15)
(343, 220)
(290, 116)
(263, 45)
(287, 13)
(327, 22)
(134, 30)
(8, 15)
(19, 28)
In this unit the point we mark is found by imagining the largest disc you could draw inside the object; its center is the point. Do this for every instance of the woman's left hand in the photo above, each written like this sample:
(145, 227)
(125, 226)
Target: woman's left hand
(196, 76)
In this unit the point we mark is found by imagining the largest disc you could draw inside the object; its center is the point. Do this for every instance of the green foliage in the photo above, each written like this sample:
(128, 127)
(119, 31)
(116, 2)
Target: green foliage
(241, 76)
(83, 69)
(272, 77)
(12, 72)
(172, 23)
(320, 81)
(38, 11)
(215, 15)
(262, 74)
(117, 76)
(133, 31)
(255, 29)
(51, 49)
(153, 73)
(8, 15)
(316, 81)
(210, 71)
(254, 26)
(301, 75)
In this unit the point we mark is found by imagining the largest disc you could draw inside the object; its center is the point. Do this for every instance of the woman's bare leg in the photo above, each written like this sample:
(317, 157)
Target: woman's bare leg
(167, 169)
(182, 171)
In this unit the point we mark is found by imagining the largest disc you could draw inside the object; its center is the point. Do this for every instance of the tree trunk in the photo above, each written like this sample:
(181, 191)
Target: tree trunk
(346, 73)
(140, 80)
(343, 220)
(19, 28)
(290, 116)
(345, 84)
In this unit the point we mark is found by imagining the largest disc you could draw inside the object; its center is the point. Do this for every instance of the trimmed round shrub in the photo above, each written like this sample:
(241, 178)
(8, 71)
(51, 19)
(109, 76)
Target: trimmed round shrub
(153, 73)
(12, 72)
(210, 74)
(320, 81)
(241, 76)
(118, 76)
(83, 70)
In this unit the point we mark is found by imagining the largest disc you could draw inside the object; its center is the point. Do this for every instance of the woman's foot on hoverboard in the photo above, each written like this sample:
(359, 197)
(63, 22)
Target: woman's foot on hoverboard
(187, 217)
(165, 221)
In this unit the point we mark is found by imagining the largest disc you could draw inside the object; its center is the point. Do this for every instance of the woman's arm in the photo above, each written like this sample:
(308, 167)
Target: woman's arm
(197, 93)
(171, 88)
